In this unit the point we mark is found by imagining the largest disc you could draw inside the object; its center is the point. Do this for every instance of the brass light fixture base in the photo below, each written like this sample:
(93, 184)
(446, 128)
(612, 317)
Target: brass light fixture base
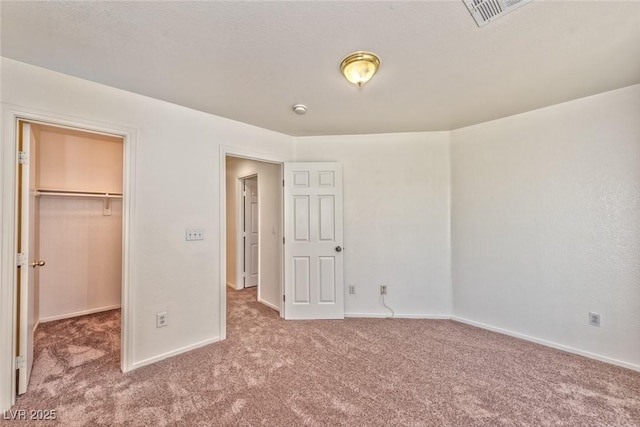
(359, 67)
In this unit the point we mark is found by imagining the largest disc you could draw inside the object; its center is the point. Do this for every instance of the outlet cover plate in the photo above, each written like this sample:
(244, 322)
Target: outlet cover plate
(162, 319)
(195, 234)
(594, 319)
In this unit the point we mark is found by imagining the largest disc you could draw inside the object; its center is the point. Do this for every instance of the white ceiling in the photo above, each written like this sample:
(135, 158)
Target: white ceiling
(251, 61)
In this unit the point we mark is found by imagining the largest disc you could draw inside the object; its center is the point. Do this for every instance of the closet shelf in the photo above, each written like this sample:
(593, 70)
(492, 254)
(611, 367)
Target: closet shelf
(68, 193)
(106, 197)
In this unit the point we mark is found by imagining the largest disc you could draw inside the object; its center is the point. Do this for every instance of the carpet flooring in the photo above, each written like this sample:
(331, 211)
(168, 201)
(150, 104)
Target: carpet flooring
(355, 372)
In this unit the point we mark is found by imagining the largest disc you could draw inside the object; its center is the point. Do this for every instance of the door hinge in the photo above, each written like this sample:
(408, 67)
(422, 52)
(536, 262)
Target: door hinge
(283, 182)
(21, 362)
(23, 158)
(283, 240)
(284, 298)
(21, 259)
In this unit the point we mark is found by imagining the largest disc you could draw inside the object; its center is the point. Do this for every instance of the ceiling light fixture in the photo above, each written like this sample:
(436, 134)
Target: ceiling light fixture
(359, 67)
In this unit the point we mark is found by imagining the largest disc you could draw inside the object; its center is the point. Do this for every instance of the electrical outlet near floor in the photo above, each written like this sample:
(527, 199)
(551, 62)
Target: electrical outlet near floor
(383, 289)
(162, 319)
(594, 319)
(195, 234)
(352, 290)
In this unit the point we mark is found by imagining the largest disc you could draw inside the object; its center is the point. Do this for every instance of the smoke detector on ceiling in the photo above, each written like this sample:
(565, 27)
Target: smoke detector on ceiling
(299, 109)
(485, 11)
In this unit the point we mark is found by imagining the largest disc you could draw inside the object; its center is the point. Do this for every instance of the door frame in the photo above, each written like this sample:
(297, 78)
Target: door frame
(249, 155)
(240, 210)
(11, 115)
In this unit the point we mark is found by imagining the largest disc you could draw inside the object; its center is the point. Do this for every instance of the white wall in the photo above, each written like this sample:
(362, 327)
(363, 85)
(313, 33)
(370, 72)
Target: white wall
(546, 224)
(270, 207)
(396, 219)
(78, 161)
(83, 253)
(176, 187)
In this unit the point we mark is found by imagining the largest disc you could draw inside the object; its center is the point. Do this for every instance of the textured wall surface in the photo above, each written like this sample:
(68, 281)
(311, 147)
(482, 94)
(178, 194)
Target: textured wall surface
(396, 219)
(83, 251)
(546, 223)
(176, 187)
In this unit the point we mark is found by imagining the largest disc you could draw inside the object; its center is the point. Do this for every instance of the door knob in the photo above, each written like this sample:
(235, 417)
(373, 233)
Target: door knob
(35, 264)
(338, 249)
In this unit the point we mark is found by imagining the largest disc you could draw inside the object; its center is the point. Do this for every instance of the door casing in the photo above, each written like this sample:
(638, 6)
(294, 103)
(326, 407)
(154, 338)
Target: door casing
(249, 155)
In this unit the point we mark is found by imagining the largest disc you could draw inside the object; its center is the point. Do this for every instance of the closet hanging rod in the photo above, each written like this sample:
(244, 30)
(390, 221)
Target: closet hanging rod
(65, 193)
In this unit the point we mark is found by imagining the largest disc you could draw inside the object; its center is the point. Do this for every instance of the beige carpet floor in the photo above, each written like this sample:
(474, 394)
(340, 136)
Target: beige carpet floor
(356, 372)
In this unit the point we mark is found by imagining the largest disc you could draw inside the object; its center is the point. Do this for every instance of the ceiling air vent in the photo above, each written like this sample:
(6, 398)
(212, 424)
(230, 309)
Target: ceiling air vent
(485, 11)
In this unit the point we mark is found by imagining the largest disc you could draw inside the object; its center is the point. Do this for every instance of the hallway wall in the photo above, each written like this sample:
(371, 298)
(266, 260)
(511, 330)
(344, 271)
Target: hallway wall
(270, 246)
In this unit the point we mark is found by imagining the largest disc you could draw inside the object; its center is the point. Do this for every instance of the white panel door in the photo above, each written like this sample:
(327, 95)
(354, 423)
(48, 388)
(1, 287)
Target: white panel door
(29, 263)
(313, 254)
(251, 235)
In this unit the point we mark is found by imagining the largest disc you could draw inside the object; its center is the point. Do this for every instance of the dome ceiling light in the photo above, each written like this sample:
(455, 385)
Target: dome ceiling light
(359, 67)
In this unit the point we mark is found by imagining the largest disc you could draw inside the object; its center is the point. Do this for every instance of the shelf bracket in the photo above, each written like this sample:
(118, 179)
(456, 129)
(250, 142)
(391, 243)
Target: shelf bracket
(107, 205)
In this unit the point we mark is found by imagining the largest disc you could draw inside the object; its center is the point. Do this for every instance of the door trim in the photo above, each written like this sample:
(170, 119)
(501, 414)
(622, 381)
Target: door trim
(222, 262)
(11, 114)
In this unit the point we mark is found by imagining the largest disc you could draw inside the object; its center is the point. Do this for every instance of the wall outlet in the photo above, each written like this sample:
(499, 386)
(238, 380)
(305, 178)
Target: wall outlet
(594, 319)
(383, 289)
(352, 290)
(195, 234)
(162, 319)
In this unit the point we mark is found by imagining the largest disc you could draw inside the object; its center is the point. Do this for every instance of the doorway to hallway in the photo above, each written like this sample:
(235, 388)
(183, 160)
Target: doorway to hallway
(254, 228)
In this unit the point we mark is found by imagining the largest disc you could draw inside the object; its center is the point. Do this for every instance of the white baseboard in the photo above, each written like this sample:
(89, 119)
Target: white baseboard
(235, 287)
(268, 304)
(78, 313)
(551, 344)
(172, 353)
(400, 316)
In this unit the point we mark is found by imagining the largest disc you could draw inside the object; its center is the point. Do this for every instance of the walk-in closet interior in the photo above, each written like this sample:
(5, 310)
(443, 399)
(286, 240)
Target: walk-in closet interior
(79, 222)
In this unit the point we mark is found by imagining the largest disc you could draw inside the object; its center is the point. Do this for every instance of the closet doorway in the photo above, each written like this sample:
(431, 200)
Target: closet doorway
(70, 230)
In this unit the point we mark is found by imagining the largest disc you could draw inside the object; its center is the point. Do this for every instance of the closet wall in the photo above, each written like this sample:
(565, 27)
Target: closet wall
(80, 237)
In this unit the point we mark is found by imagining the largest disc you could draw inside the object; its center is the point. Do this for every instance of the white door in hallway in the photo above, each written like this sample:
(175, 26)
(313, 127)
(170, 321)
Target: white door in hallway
(313, 252)
(28, 262)
(251, 233)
